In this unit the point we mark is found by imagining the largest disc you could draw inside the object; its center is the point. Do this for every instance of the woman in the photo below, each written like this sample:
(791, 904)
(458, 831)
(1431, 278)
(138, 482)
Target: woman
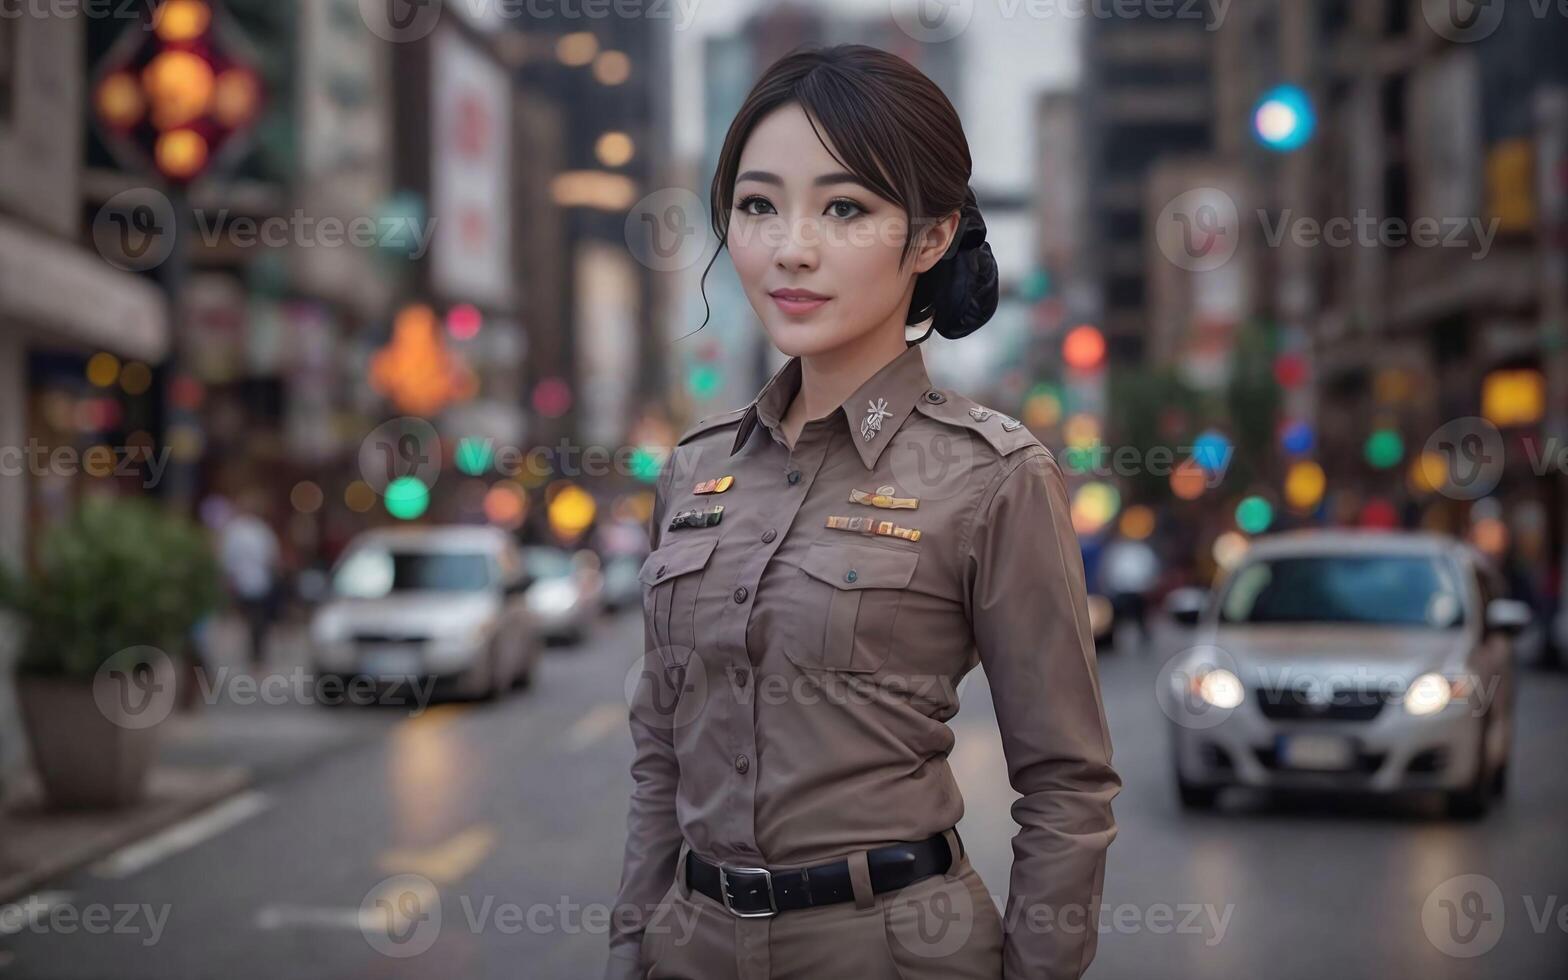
(829, 562)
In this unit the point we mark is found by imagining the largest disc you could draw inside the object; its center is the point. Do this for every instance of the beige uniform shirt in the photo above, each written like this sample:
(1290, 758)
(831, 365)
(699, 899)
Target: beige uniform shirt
(804, 652)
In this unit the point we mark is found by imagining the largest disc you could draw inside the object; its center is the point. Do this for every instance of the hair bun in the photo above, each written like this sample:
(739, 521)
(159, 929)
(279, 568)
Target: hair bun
(960, 292)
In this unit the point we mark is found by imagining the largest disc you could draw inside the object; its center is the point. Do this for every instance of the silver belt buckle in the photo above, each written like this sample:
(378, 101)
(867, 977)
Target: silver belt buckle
(724, 889)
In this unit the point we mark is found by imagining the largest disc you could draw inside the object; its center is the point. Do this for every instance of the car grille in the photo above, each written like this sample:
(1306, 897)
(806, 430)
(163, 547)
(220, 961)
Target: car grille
(1345, 704)
(389, 639)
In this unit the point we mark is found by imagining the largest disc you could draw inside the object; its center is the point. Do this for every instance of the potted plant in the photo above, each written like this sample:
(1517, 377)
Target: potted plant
(105, 612)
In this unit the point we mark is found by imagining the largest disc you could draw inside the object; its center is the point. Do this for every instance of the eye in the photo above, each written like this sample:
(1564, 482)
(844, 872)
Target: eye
(838, 203)
(746, 203)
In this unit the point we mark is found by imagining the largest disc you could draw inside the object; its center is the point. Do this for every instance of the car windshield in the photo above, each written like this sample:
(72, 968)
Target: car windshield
(1389, 590)
(371, 573)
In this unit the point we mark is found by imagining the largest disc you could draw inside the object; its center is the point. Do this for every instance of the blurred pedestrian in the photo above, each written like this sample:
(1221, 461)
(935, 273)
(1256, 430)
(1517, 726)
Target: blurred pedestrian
(249, 553)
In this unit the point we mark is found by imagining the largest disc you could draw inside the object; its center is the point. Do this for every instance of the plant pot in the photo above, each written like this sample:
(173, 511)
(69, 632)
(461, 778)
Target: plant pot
(93, 740)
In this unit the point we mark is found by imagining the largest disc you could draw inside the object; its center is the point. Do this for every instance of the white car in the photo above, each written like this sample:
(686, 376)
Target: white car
(423, 602)
(1344, 660)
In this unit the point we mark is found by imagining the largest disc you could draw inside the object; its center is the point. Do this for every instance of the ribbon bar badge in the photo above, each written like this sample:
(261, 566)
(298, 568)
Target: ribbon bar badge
(719, 485)
(866, 525)
(702, 517)
(883, 497)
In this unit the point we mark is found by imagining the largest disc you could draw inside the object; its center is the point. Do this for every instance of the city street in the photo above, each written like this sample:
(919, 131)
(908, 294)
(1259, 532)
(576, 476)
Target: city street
(272, 883)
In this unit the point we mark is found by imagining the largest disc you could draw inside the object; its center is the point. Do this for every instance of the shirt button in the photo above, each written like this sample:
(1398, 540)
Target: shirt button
(851, 575)
(769, 535)
(741, 676)
(793, 476)
(742, 763)
(741, 594)
(935, 397)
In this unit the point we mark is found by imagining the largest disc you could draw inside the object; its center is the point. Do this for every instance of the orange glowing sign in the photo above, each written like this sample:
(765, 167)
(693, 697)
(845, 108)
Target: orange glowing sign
(416, 370)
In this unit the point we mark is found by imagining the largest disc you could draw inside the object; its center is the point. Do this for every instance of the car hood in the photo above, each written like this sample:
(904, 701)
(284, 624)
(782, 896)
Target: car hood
(408, 614)
(1342, 655)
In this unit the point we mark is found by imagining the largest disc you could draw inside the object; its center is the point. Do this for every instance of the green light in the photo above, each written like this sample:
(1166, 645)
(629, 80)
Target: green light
(407, 497)
(1080, 459)
(646, 463)
(1254, 515)
(704, 381)
(473, 456)
(1384, 449)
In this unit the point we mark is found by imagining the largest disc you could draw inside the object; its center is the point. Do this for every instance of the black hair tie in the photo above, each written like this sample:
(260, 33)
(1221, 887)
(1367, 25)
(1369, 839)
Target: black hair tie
(960, 292)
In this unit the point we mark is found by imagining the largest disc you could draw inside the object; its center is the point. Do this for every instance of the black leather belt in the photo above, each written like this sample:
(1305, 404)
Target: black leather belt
(760, 892)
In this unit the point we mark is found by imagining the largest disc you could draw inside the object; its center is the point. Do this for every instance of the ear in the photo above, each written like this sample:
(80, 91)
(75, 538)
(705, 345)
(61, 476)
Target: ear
(935, 242)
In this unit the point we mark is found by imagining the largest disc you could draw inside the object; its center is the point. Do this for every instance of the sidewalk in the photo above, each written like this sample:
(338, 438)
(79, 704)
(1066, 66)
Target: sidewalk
(207, 754)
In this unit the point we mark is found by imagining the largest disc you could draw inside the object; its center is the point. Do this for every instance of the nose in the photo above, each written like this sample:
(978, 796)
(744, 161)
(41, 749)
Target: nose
(798, 249)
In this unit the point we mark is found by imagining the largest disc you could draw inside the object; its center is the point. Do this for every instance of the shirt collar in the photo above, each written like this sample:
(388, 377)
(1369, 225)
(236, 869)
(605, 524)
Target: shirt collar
(873, 413)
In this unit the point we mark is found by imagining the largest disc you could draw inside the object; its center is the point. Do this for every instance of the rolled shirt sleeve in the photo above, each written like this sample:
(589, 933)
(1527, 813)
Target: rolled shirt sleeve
(1030, 617)
(653, 835)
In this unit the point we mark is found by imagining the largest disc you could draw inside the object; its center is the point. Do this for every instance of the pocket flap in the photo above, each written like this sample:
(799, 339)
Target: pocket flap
(850, 566)
(671, 560)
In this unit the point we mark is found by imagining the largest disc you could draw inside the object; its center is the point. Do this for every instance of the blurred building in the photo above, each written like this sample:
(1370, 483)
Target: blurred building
(1147, 95)
(60, 303)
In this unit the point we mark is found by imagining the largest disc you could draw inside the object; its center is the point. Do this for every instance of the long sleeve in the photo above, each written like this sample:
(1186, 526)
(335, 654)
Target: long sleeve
(653, 837)
(1030, 617)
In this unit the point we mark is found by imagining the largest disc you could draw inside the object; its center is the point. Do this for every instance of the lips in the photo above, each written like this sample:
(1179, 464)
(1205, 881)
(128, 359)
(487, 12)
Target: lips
(798, 301)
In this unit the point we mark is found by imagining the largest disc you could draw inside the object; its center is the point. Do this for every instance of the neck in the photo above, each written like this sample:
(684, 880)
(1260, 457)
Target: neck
(826, 379)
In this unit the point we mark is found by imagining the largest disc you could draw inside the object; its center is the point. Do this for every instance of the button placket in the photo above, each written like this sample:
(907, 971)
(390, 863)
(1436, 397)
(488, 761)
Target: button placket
(800, 469)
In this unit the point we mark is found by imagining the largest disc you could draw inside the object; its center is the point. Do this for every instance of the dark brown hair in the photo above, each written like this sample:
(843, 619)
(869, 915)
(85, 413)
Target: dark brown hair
(894, 127)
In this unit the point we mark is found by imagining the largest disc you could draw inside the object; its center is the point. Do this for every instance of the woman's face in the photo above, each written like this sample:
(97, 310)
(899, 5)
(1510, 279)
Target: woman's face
(816, 251)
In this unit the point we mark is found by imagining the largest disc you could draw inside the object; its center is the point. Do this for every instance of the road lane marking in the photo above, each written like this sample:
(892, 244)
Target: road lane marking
(284, 916)
(447, 861)
(203, 826)
(26, 913)
(600, 721)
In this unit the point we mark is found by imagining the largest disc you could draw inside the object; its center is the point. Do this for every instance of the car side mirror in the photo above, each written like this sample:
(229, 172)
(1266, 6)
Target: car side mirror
(1186, 605)
(1507, 615)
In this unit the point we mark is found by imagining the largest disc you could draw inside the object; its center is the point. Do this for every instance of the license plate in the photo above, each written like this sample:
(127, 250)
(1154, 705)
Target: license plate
(1314, 751)
(390, 662)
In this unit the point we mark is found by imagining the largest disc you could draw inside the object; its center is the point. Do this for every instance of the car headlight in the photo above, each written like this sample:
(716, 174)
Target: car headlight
(552, 597)
(1218, 688)
(1428, 694)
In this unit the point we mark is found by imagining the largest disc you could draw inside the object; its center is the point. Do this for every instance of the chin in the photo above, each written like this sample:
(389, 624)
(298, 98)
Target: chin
(804, 339)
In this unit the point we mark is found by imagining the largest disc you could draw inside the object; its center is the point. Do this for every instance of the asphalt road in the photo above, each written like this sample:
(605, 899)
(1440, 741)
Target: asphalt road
(512, 815)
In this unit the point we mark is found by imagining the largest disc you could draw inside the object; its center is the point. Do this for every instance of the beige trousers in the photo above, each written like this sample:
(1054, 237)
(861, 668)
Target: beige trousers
(942, 927)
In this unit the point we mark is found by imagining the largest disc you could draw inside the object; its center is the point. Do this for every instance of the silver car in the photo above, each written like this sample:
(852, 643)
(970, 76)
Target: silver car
(1345, 660)
(429, 602)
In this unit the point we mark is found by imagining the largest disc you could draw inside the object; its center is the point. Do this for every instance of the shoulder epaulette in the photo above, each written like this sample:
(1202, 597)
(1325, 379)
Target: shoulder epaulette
(711, 422)
(1004, 433)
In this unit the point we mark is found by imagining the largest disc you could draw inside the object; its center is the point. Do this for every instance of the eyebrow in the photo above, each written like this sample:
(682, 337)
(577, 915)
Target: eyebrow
(841, 177)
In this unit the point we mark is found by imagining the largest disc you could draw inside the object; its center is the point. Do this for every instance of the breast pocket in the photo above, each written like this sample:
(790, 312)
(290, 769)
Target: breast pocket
(671, 577)
(858, 588)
